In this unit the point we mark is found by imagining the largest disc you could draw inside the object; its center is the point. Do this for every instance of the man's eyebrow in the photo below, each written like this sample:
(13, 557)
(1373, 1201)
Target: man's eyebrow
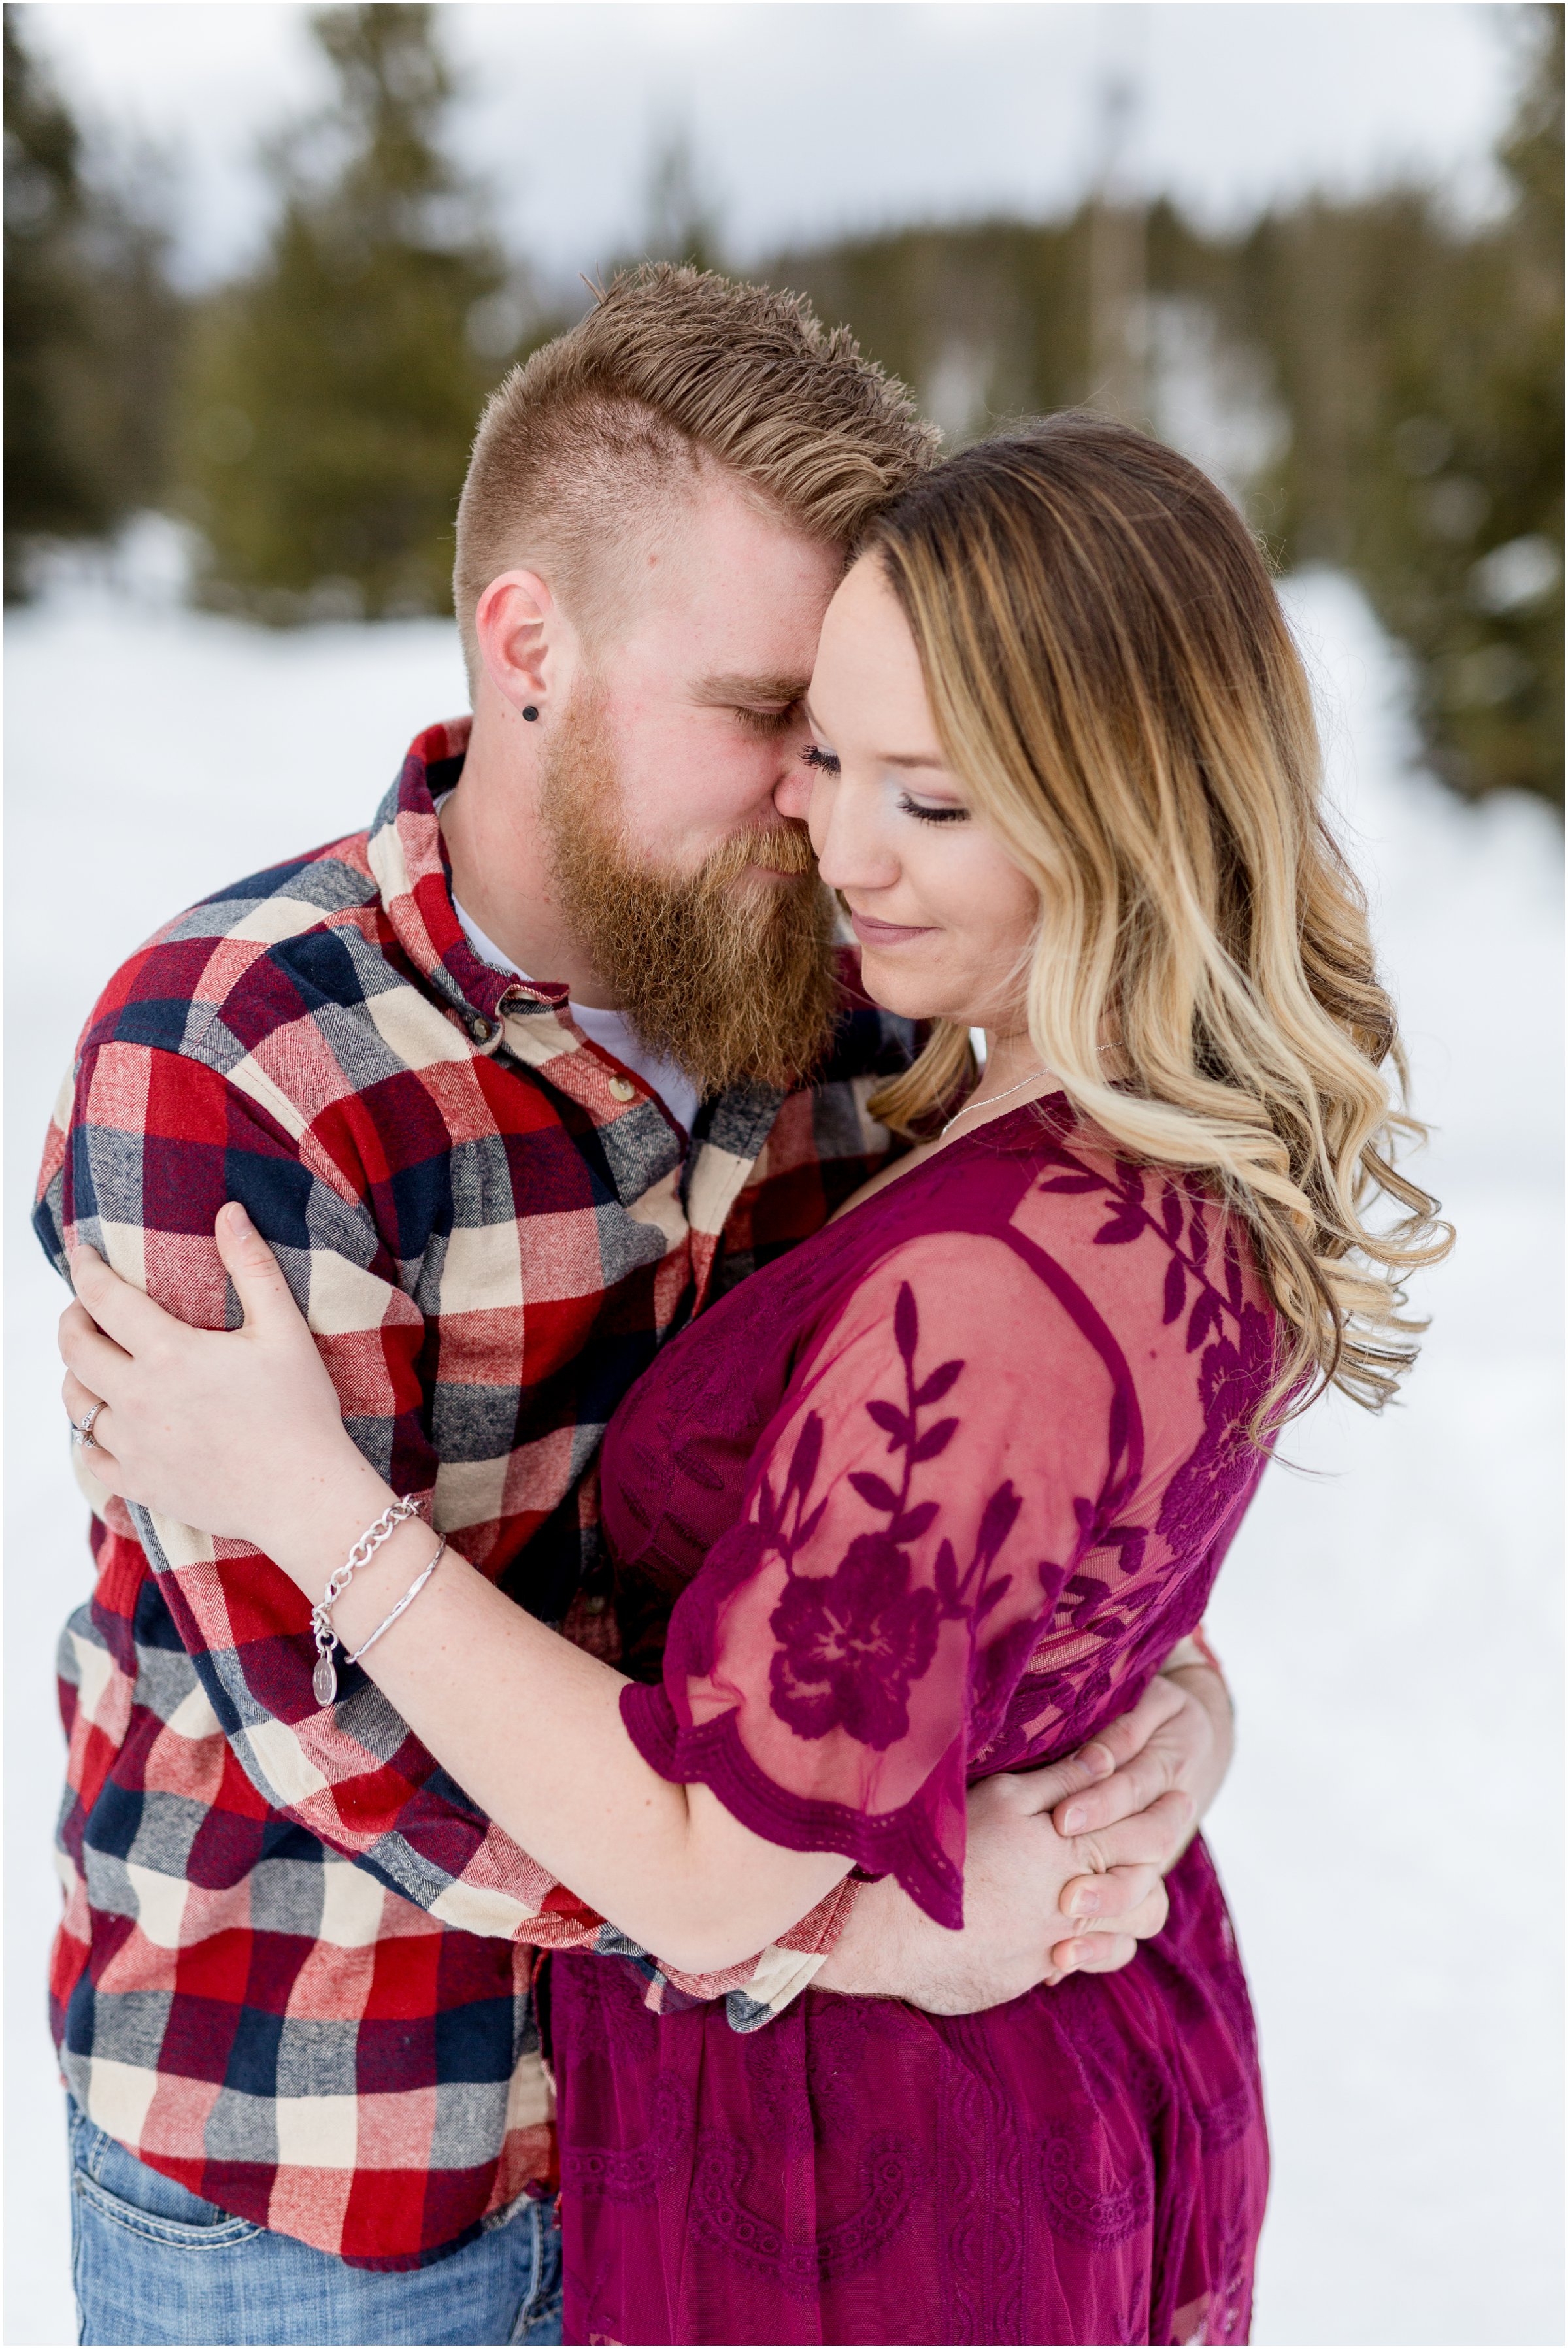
(752, 692)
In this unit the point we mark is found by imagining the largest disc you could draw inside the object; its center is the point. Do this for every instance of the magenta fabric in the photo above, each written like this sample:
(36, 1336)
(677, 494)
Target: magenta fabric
(929, 1498)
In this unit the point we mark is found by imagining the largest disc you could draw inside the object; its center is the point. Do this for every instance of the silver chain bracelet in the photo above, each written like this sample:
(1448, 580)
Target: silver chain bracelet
(324, 1680)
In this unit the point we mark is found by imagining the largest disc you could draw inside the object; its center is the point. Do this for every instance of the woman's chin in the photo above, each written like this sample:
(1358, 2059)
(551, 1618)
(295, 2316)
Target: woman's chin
(900, 992)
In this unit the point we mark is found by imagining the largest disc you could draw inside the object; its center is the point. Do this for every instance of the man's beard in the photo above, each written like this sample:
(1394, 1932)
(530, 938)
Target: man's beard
(733, 981)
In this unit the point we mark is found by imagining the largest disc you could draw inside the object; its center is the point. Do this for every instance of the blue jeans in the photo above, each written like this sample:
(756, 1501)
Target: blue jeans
(152, 2263)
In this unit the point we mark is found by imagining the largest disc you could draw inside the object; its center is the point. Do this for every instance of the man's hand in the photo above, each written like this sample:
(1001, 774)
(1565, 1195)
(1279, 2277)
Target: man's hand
(1063, 1866)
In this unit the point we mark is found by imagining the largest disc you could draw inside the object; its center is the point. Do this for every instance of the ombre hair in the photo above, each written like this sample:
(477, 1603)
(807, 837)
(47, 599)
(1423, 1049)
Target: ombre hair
(1113, 682)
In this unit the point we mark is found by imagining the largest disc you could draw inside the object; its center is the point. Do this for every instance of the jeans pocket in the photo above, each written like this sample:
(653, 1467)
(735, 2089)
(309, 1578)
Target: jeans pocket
(109, 2181)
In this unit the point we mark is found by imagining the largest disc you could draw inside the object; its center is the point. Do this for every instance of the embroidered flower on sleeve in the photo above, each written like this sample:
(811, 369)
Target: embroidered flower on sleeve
(851, 1644)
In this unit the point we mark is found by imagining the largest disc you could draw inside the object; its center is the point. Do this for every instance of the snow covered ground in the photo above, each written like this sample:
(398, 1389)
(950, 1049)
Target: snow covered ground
(1391, 1835)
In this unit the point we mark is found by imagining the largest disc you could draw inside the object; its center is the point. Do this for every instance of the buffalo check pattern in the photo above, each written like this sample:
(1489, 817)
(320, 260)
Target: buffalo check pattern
(295, 1964)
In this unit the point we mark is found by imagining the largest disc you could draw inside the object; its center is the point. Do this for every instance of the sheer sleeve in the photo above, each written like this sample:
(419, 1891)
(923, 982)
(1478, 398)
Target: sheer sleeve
(939, 1462)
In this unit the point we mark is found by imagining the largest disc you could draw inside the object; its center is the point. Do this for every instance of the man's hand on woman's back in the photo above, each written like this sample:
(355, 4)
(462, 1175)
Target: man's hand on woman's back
(1064, 1866)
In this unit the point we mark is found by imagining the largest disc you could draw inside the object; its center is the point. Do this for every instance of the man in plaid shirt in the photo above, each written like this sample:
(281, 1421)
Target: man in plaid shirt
(292, 1988)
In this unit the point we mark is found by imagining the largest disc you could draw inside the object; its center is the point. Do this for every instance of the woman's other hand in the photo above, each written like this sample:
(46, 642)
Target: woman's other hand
(1178, 1739)
(235, 1432)
(1016, 1870)
(1040, 1901)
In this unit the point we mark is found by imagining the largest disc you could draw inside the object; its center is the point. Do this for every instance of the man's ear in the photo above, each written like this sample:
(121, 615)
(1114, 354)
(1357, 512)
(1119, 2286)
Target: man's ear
(526, 643)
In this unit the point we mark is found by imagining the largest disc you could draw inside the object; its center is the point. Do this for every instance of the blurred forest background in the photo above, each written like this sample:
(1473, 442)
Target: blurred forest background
(1377, 382)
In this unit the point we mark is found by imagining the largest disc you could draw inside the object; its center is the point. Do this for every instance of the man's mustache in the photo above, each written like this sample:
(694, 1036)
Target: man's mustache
(782, 847)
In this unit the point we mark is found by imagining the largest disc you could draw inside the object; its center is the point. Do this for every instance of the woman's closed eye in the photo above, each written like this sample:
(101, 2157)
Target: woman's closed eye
(923, 815)
(826, 762)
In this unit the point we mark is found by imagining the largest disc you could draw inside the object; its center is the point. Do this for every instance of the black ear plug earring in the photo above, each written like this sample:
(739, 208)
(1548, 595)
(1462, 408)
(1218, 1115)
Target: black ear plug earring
(529, 711)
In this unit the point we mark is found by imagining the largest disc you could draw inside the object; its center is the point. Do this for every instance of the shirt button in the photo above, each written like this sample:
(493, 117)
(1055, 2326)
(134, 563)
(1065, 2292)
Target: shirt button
(480, 1031)
(622, 1088)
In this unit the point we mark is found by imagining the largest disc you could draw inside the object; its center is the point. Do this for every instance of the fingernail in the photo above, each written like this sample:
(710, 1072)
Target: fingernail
(1075, 1818)
(1098, 1758)
(240, 1222)
(1085, 1902)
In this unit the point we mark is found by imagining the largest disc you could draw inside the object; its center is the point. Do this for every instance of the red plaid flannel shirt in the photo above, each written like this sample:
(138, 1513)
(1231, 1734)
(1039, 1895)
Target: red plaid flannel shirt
(294, 1970)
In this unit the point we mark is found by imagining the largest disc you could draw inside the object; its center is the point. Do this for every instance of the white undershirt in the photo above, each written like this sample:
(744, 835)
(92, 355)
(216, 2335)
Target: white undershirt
(608, 1029)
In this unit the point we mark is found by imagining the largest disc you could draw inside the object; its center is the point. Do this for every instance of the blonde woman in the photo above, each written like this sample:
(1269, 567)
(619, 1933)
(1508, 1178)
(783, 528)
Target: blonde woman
(930, 1497)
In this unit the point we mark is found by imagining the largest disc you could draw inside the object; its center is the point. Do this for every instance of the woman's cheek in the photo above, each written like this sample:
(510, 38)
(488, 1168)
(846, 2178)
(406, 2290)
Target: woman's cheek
(1010, 912)
(999, 958)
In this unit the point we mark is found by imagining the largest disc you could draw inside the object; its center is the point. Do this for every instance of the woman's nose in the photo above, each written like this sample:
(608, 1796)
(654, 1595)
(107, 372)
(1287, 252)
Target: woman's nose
(846, 832)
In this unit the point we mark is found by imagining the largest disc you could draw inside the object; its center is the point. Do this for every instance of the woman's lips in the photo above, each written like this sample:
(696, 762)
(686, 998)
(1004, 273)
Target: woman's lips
(872, 932)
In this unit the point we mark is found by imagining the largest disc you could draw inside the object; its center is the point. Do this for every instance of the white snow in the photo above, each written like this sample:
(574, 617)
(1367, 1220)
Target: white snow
(1390, 1836)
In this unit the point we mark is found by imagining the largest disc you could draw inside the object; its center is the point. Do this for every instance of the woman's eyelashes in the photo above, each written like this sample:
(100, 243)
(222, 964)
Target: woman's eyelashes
(826, 762)
(907, 806)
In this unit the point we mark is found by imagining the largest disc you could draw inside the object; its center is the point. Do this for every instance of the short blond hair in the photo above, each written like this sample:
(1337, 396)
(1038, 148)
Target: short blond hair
(673, 370)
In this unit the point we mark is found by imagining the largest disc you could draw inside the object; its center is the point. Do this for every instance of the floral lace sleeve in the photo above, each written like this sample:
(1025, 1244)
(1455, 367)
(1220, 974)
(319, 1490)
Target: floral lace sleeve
(943, 1456)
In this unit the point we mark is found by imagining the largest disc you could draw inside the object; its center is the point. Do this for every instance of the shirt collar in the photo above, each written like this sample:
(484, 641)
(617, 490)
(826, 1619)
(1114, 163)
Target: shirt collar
(407, 854)
(408, 857)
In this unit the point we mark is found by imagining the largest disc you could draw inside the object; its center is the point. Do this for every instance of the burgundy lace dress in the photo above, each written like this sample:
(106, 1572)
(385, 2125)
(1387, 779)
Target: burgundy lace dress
(933, 1496)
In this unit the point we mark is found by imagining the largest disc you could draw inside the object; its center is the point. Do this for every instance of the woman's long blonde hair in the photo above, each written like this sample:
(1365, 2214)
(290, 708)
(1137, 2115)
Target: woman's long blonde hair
(1112, 680)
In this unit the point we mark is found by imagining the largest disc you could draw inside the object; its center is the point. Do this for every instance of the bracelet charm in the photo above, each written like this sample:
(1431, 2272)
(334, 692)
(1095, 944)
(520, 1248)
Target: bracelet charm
(323, 1679)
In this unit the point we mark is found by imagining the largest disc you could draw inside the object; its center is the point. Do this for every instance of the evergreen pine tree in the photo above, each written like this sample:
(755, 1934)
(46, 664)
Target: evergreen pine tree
(1494, 695)
(1414, 360)
(334, 391)
(92, 330)
(1420, 362)
(51, 484)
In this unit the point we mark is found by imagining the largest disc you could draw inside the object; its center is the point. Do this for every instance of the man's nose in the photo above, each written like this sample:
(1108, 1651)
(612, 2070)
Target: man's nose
(792, 790)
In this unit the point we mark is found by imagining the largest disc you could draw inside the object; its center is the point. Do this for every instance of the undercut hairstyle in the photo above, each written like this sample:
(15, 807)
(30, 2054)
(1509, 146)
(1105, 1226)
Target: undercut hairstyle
(673, 372)
(1113, 679)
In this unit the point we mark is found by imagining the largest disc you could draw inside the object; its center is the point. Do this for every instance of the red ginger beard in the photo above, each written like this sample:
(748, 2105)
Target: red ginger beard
(734, 983)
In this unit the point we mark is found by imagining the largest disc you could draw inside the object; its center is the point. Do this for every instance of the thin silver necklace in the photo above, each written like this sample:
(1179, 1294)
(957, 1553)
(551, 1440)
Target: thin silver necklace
(992, 1098)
